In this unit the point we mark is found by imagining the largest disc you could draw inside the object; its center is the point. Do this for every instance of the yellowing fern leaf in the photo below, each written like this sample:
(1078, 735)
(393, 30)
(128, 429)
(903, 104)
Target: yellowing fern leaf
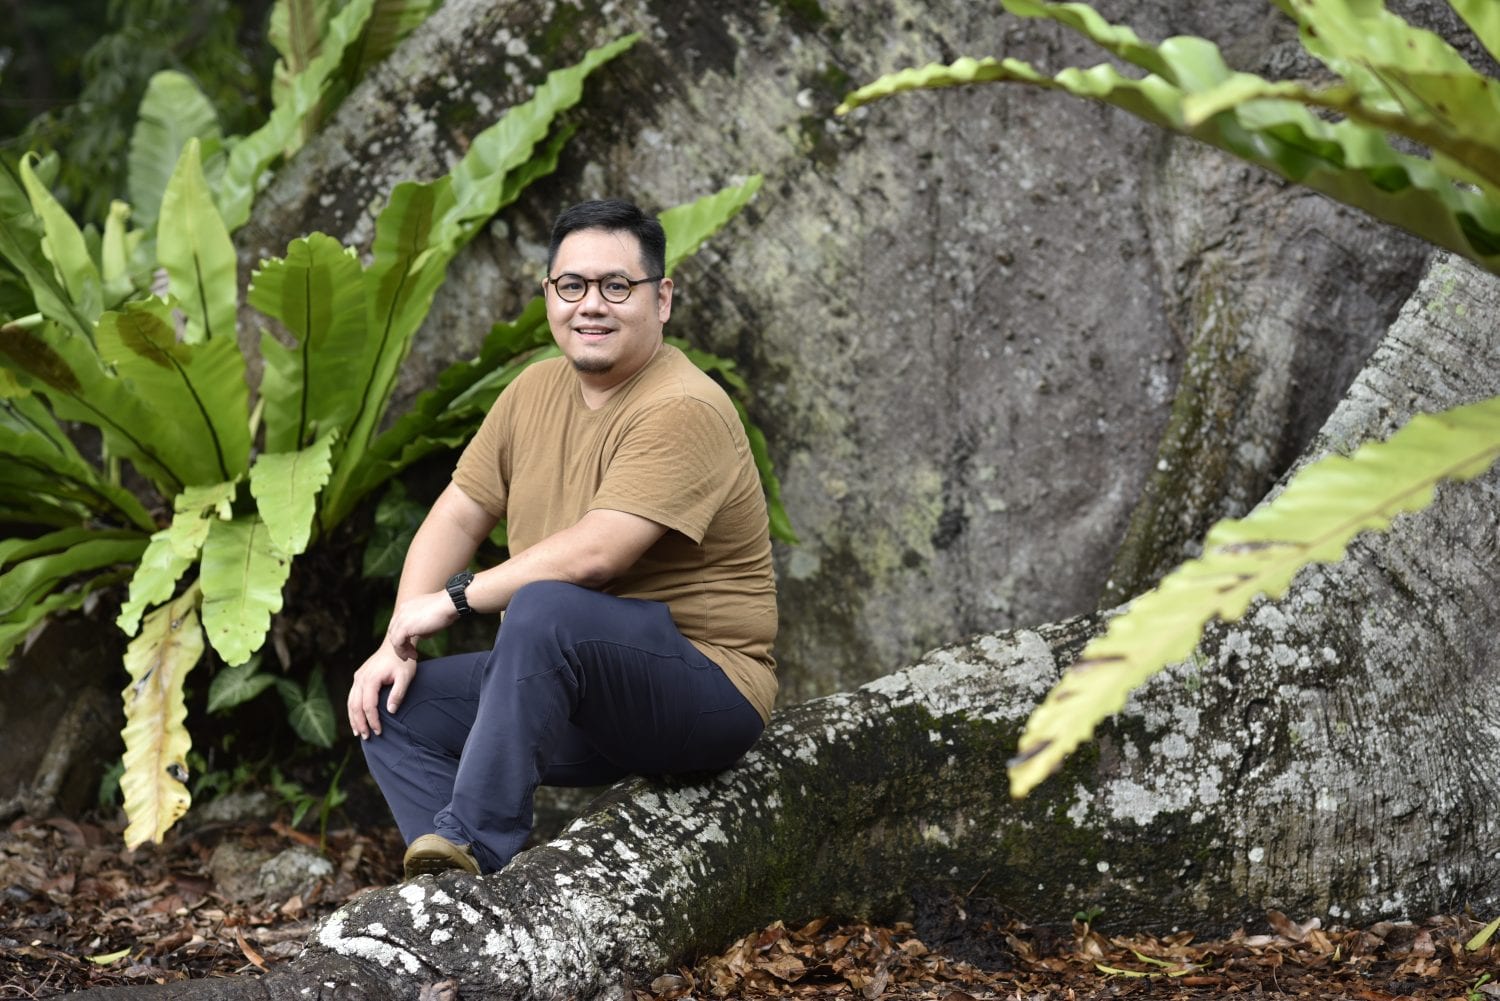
(156, 743)
(1311, 521)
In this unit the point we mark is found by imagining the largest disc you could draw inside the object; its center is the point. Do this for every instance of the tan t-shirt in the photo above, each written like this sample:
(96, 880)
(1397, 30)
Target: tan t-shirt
(667, 446)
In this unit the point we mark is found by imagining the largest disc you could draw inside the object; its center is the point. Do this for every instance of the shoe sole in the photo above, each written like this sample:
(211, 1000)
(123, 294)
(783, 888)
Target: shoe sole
(434, 866)
(439, 858)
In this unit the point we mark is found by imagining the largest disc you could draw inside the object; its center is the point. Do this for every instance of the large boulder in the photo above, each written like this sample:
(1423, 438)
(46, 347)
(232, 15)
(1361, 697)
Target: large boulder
(965, 314)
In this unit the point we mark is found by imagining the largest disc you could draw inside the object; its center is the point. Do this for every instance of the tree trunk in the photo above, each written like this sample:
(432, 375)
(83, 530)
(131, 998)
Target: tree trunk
(963, 314)
(967, 317)
(1332, 755)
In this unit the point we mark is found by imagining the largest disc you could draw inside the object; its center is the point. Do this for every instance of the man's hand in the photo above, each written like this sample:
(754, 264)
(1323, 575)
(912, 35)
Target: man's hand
(381, 669)
(418, 617)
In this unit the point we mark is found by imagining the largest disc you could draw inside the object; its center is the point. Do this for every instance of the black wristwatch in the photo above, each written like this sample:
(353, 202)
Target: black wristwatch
(457, 585)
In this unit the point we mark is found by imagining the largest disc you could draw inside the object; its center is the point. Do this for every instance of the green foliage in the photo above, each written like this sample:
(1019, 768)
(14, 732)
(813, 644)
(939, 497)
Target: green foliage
(316, 292)
(285, 486)
(48, 481)
(300, 31)
(170, 70)
(1088, 914)
(193, 246)
(296, 103)
(35, 575)
(397, 518)
(242, 572)
(1394, 81)
(176, 408)
(173, 111)
(390, 21)
(88, 118)
(163, 381)
(309, 709)
(236, 685)
(301, 801)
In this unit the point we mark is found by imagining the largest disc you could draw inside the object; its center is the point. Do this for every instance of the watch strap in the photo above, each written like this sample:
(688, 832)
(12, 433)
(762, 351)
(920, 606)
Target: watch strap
(457, 588)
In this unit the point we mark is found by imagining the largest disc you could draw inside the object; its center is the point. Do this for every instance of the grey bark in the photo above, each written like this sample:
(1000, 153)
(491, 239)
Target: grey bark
(1272, 328)
(1331, 755)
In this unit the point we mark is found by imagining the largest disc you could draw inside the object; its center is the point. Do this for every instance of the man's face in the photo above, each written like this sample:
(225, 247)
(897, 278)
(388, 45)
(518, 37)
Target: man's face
(607, 342)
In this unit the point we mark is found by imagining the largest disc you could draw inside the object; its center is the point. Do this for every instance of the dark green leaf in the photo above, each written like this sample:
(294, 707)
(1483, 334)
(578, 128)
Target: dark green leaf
(235, 685)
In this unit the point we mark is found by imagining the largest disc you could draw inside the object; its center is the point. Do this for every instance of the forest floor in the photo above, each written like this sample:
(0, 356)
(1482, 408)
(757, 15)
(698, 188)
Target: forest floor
(78, 911)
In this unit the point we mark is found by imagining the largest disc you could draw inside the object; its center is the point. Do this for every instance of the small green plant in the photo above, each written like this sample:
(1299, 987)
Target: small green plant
(302, 801)
(1088, 914)
(1474, 993)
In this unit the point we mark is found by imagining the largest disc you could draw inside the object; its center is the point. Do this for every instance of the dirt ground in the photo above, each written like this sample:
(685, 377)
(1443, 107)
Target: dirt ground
(78, 911)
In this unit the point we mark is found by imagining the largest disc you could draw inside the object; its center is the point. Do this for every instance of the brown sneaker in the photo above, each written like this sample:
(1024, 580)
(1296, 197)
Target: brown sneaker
(432, 853)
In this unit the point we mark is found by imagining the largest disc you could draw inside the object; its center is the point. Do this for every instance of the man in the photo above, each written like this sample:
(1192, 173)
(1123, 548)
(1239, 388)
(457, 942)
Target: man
(638, 599)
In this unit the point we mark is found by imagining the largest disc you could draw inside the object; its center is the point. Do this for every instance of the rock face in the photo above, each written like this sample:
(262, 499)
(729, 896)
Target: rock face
(965, 314)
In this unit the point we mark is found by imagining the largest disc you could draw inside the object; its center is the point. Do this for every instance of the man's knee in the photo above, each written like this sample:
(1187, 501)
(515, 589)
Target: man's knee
(546, 601)
(552, 613)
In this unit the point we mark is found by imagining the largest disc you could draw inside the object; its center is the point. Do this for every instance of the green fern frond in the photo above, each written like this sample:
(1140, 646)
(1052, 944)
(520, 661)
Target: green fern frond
(1483, 18)
(193, 246)
(64, 245)
(242, 575)
(1312, 521)
(155, 579)
(285, 486)
(317, 293)
(251, 155)
(962, 71)
(689, 224)
(390, 22)
(1116, 39)
(189, 399)
(172, 111)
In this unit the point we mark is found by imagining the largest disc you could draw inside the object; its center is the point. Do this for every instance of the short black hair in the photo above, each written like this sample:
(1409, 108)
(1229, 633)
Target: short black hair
(613, 215)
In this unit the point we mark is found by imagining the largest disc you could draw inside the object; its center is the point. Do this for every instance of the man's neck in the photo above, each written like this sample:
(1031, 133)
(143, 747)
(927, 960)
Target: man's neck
(598, 388)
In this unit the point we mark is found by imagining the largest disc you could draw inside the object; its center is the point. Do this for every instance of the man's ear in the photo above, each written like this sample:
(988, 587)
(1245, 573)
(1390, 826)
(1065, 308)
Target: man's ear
(664, 299)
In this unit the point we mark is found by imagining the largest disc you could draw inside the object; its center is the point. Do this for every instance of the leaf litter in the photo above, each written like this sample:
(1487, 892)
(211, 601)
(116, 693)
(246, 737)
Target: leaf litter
(77, 911)
(1441, 958)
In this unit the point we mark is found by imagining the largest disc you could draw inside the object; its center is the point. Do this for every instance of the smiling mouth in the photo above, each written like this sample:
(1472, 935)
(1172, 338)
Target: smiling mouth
(592, 333)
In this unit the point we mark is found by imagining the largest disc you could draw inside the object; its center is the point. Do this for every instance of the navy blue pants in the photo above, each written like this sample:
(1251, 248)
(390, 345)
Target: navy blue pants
(581, 688)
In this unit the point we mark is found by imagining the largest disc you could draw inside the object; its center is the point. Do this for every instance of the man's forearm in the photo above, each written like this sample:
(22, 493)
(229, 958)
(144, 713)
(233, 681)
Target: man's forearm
(432, 558)
(592, 552)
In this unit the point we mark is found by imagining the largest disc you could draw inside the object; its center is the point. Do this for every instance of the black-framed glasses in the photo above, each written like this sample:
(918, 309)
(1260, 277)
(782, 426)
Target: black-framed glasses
(614, 288)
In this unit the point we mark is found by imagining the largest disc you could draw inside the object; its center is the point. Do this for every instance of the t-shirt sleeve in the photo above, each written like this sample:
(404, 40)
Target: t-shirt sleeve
(675, 464)
(481, 470)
